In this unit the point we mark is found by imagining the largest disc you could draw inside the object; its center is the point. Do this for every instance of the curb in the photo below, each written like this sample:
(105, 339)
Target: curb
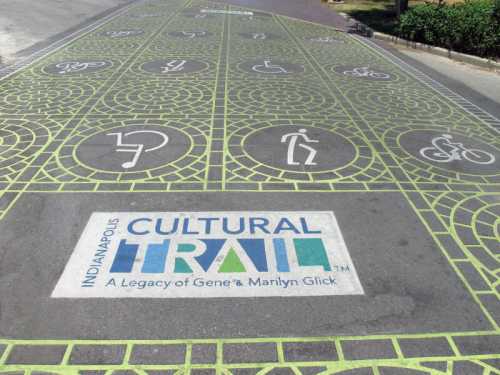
(457, 56)
(366, 31)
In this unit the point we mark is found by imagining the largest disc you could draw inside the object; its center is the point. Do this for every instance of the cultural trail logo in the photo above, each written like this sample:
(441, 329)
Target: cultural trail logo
(209, 254)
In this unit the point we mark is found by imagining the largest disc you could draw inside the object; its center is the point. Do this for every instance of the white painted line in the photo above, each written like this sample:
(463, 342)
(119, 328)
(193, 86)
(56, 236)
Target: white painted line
(209, 254)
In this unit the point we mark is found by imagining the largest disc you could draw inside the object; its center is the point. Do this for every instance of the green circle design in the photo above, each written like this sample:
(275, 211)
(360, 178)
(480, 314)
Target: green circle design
(361, 161)
(68, 160)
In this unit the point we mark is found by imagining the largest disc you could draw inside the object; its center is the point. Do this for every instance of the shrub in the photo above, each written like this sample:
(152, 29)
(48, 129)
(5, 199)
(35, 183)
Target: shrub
(470, 27)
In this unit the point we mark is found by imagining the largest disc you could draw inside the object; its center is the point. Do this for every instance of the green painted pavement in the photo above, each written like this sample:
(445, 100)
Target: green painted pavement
(334, 83)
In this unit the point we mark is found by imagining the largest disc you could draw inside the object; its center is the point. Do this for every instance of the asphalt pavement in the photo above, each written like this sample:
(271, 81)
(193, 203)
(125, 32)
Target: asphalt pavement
(221, 188)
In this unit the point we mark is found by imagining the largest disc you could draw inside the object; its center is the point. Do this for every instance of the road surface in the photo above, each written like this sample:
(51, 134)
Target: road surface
(196, 186)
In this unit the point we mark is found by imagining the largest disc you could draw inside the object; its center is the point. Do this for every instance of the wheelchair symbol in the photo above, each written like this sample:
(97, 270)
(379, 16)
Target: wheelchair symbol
(137, 149)
(269, 68)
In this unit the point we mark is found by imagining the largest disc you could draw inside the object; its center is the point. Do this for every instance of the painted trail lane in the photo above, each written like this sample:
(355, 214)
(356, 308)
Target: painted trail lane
(196, 187)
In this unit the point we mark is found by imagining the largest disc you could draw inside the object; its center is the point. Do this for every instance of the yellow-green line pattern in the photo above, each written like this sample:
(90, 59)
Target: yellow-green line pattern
(44, 117)
(447, 353)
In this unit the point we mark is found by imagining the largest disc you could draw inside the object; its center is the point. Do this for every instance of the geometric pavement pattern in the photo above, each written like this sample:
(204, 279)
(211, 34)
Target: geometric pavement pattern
(45, 115)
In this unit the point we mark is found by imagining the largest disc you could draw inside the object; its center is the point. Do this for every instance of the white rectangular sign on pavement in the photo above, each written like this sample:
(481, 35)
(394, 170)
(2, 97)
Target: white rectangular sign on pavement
(209, 254)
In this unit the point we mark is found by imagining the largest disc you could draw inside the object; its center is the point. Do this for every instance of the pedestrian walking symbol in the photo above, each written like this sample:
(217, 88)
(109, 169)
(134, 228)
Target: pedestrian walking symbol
(298, 147)
(292, 139)
(174, 66)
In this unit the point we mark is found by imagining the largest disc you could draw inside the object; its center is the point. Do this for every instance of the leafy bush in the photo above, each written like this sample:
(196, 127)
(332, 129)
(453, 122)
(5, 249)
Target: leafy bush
(470, 27)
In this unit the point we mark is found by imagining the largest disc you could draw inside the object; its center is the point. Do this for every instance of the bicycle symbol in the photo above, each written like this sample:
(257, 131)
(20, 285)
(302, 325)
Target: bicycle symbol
(122, 33)
(443, 150)
(137, 149)
(76, 66)
(365, 72)
(269, 68)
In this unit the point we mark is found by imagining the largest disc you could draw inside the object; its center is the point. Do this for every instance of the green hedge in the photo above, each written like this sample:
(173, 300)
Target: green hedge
(470, 27)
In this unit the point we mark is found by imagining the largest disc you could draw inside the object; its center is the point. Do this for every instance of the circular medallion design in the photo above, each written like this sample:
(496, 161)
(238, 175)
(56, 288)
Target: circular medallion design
(403, 100)
(8, 140)
(85, 45)
(42, 96)
(20, 140)
(168, 98)
(267, 98)
(75, 67)
(299, 148)
(115, 34)
(260, 36)
(191, 34)
(476, 222)
(271, 67)
(174, 66)
(451, 151)
(133, 148)
(363, 72)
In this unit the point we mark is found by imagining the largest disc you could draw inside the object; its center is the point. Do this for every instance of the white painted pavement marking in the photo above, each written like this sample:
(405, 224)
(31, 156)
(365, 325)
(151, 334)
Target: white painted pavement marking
(209, 254)
(443, 150)
(136, 148)
(269, 68)
(76, 66)
(291, 139)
